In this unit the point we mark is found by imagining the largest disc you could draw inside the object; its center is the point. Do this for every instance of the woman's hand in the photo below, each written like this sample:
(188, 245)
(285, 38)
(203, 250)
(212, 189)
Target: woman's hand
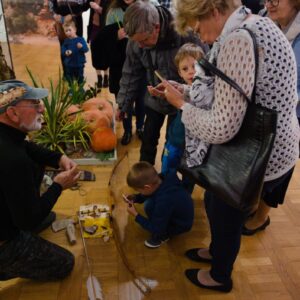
(121, 34)
(172, 94)
(96, 7)
(159, 90)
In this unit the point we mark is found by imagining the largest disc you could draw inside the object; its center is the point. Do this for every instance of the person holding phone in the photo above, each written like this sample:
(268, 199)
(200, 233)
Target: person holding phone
(153, 44)
(168, 206)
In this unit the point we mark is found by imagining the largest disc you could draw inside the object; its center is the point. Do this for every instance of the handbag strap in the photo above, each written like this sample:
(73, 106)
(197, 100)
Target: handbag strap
(214, 70)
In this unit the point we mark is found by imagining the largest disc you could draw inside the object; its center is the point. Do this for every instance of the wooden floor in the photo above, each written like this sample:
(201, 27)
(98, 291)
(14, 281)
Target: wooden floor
(268, 266)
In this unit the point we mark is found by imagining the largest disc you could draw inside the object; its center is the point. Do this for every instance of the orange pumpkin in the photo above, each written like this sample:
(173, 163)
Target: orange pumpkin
(103, 139)
(95, 119)
(71, 112)
(100, 104)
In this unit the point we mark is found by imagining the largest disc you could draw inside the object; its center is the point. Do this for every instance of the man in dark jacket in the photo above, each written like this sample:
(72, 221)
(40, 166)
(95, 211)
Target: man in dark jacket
(23, 209)
(153, 45)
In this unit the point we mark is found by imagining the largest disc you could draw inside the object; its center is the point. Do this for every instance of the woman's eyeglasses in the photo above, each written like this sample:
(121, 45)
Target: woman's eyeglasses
(273, 3)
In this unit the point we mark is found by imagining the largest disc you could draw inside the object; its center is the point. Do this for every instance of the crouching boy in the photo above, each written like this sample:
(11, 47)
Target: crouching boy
(168, 206)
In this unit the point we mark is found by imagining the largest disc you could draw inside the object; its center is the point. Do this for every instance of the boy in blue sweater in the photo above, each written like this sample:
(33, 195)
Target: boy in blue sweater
(73, 52)
(168, 206)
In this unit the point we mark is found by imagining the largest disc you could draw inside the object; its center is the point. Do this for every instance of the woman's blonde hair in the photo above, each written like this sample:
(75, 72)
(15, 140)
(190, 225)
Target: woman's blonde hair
(141, 174)
(187, 10)
(187, 50)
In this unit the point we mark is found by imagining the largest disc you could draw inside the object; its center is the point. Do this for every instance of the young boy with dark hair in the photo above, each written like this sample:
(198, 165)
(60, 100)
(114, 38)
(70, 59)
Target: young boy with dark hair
(73, 52)
(168, 206)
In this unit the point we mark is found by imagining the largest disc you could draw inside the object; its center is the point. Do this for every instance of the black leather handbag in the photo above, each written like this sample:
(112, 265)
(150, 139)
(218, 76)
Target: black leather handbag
(234, 171)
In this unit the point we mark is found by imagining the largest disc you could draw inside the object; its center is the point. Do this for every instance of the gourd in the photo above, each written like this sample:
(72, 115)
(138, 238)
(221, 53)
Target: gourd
(95, 119)
(103, 140)
(73, 111)
(99, 104)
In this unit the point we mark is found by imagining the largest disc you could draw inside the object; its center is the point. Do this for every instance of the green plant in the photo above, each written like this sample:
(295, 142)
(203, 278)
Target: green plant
(58, 130)
(78, 94)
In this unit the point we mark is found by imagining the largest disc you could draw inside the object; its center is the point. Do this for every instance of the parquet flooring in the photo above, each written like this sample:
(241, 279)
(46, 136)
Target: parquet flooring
(268, 266)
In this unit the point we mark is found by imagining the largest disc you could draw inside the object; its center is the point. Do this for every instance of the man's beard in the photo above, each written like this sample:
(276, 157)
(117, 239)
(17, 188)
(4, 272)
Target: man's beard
(35, 125)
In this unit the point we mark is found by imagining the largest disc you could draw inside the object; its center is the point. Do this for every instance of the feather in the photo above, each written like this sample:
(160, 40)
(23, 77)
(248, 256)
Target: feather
(94, 288)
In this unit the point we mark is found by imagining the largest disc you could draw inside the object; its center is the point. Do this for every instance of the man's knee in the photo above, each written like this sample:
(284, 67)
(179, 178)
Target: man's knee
(63, 266)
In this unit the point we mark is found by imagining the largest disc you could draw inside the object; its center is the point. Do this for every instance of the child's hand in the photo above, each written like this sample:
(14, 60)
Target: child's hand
(68, 52)
(79, 45)
(121, 34)
(131, 209)
(131, 197)
(178, 86)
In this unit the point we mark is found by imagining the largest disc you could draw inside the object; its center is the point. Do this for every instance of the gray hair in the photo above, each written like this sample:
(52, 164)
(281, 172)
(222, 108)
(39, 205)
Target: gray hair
(141, 16)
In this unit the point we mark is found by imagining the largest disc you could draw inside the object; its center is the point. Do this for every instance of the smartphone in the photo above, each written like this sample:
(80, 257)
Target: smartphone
(158, 75)
(127, 200)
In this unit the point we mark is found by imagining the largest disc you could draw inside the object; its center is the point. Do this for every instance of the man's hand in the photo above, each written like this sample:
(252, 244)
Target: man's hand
(131, 209)
(157, 91)
(119, 115)
(67, 179)
(65, 163)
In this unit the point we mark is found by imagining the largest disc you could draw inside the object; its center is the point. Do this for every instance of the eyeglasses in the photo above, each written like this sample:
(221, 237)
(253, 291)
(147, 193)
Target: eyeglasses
(273, 3)
(36, 104)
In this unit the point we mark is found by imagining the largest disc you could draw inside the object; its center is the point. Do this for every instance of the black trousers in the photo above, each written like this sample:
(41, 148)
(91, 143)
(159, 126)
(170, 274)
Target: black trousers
(29, 256)
(153, 123)
(226, 225)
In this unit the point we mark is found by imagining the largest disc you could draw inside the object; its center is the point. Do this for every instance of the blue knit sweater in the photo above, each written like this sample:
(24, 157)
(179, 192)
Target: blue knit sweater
(170, 205)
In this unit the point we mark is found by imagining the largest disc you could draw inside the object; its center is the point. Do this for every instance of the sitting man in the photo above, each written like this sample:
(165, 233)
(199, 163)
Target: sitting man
(168, 206)
(23, 211)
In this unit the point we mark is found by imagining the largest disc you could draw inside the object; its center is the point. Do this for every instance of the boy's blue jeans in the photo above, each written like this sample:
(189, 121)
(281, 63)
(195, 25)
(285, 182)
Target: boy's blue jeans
(72, 74)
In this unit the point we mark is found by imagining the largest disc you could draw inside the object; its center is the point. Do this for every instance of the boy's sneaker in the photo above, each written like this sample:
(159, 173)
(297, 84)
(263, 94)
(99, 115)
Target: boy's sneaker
(155, 243)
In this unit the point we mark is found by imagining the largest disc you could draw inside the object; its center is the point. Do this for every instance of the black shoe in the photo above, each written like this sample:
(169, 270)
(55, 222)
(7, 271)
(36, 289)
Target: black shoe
(192, 275)
(155, 243)
(45, 223)
(192, 254)
(139, 133)
(99, 82)
(246, 231)
(105, 81)
(126, 138)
